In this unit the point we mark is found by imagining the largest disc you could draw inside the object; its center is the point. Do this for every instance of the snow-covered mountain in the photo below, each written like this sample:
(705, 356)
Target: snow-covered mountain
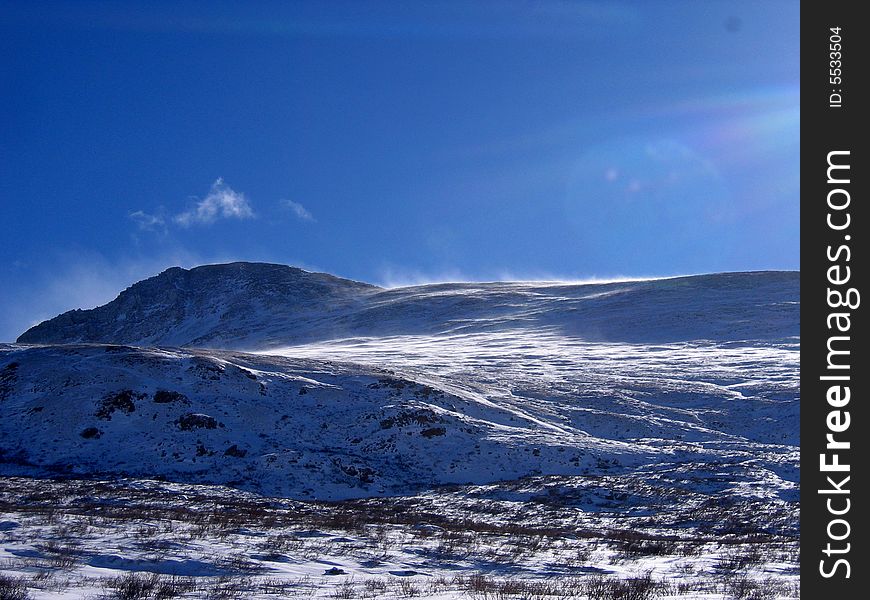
(318, 428)
(252, 306)
(349, 390)
(211, 305)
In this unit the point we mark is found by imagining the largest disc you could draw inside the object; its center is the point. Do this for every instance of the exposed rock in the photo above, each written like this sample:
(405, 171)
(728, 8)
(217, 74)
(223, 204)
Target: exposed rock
(196, 421)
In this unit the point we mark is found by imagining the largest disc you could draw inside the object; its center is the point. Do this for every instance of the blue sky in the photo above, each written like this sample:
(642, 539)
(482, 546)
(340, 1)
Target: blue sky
(392, 142)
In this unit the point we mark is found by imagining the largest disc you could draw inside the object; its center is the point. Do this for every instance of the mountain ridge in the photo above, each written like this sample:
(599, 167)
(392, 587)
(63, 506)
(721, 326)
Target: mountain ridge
(253, 306)
(175, 290)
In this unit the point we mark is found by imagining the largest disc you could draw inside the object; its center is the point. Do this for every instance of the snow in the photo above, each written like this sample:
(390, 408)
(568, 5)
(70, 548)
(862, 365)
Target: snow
(246, 306)
(664, 408)
(355, 418)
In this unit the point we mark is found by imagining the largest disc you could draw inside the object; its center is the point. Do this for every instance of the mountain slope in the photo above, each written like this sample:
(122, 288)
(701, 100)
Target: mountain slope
(269, 424)
(203, 306)
(249, 306)
(315, 427)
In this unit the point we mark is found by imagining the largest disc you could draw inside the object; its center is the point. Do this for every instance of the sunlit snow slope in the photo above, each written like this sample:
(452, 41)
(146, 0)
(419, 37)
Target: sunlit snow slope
(346, 389)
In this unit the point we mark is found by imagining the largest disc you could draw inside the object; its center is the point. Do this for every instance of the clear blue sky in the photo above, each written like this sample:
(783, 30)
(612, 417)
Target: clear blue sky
(392, 141)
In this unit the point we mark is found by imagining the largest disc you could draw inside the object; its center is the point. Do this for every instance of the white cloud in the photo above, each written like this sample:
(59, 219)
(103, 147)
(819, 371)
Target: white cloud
(300, 211)
(222, 202)
(147, 221)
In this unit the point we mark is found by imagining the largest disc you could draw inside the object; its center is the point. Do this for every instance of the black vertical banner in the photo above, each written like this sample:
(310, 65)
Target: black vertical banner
(835, 430)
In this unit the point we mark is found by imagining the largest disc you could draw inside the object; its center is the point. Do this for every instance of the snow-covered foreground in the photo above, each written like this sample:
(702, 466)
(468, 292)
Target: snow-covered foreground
(648, 535)
(672, 469)
(618, 442)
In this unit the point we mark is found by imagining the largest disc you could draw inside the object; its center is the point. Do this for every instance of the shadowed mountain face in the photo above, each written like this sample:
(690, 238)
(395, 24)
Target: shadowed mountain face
(203, 306)
(261, 306)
